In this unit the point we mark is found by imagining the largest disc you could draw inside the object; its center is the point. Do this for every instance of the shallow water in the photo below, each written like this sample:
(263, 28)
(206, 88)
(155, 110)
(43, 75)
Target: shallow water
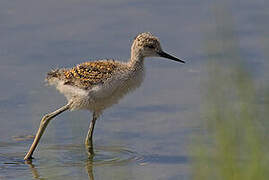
(145, 136)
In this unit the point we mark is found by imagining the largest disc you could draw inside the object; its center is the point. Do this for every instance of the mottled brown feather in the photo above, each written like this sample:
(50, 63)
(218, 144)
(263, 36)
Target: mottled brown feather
(86, 74)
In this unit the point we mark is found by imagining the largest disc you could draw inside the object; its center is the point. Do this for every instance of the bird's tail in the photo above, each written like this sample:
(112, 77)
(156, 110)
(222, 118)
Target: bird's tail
(55, 74)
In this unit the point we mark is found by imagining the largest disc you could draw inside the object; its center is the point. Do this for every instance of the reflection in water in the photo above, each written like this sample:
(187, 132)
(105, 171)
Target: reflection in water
(33, 170)
(89, 167)
(103, 156)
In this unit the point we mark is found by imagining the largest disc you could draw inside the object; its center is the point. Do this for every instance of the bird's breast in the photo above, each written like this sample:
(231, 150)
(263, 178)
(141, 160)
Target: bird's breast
(109, 93)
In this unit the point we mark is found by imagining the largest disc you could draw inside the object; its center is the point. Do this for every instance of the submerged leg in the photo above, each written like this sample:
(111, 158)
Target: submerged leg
(43, 124)
(88, 141)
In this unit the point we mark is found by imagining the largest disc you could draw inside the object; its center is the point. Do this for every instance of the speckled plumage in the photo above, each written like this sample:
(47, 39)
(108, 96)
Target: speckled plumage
(87, 74)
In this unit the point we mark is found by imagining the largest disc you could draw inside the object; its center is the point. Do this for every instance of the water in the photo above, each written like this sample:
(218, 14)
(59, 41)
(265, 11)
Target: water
(145, 136)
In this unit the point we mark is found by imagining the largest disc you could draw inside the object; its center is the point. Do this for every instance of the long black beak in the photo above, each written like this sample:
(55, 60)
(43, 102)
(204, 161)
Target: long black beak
(168, 56)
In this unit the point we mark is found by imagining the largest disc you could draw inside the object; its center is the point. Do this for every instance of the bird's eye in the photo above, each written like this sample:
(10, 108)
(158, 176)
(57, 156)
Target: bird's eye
(150, 46)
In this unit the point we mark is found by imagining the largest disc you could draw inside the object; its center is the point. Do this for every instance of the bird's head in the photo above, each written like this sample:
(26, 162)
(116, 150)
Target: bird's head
(147, 45)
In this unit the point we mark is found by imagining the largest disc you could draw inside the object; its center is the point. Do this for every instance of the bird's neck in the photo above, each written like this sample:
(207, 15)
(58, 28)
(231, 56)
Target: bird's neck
(136, 59)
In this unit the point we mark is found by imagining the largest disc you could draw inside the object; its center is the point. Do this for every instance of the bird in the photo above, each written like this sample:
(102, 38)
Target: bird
(97, 85)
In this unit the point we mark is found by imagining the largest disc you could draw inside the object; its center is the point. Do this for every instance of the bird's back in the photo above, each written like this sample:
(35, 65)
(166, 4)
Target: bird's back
(87, 74)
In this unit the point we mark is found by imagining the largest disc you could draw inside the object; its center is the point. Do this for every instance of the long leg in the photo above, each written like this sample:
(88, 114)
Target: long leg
(43, 124)
(88, 141)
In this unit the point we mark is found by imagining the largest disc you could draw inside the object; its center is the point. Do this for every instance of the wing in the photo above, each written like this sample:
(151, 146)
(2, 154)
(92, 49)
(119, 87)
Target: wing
(87, 74)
